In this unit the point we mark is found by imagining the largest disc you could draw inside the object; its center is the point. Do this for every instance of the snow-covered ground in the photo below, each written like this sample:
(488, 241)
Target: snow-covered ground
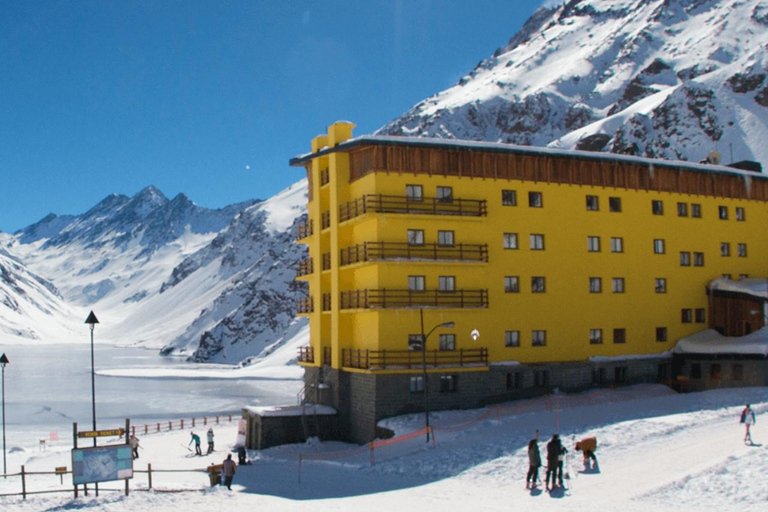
(657, 451)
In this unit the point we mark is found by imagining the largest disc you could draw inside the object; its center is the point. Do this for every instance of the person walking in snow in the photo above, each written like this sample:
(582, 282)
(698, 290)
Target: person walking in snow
(241, 459)
(210, 440)
(228, 470)
(748, 419)
(134, 442)
(196, 439)
(554, 450)
(534, 462)
(588, 446)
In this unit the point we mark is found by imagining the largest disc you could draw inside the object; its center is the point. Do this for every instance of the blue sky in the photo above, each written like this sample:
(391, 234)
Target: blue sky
(211, 98)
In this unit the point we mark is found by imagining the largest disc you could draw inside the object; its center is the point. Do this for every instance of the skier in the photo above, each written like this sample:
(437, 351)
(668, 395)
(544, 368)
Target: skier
(748, 418)
(134, 442)
(196, 439)
(554, 461)
(210, 440)
(228, 470)
(534, 462)
(588, 446)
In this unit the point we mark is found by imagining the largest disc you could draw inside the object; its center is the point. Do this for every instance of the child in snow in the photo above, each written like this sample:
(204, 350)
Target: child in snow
(196, 439)
(588, 447)
(748, 418)
(534, 462)
(210, 440)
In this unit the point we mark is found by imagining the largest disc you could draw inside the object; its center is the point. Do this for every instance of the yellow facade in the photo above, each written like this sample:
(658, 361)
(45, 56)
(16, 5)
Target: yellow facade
(628, 310)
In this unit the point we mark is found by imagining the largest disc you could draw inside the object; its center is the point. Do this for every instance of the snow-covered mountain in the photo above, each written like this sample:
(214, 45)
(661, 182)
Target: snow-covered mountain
(672, 79)
(215, 285)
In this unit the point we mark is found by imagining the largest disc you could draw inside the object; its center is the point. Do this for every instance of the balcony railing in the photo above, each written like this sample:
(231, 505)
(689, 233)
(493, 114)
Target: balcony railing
(327, 261)
(381, 251)
(325, 219)
(327, 355)
(306, 354)
(304, 230)
(325, 177)
(408, 359)
(306, 305)
(403, 204)
(306, 267)
(327, 302)
(392, 298)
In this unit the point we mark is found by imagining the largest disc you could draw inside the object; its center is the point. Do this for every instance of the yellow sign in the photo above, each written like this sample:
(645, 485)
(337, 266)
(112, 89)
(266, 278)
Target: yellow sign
(61, 470)
(102, 433)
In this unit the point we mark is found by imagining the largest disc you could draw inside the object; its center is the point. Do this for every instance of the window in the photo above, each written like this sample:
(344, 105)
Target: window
(658, 246)
(661, 334)
(541, 378)
(657, 207)
(592, 203)
(595, 336)
(620, 374)
(538, 338)
(538, 284)
(741, 215)
(415, 237)
(698, 259)
(614, 204)
(535, 200)
(737, 371)
(686, 316)
(715, 371)
(446, 283)
(417, 384)
(695, 210)
(682, 209)
(414, 192)
(619, 336)
(595, 285)
(509, 198)
(617, 244)
(685, 259)
(743, 276)
(725, 249)
(726, 276)
(741, 250)
(514, 380)
(537, 242)
(447, 342)
(511, 338)
(593, 244)
(701, 315)
(510, 240)
(448, 383)
(511, 284)
(722, 212)
(598, 375)
(445, 238)
(617, 285)
(414, 342)
(444, 194)
(661, 284)
(416, 283)
(695, 370)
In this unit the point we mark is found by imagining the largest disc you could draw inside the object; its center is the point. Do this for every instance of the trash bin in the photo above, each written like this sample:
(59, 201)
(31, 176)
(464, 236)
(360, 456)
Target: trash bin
(214, 471)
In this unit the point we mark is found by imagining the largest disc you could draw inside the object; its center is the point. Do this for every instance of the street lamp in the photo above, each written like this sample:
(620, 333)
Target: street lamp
(92, 321)
(447, 325)
(4, 361)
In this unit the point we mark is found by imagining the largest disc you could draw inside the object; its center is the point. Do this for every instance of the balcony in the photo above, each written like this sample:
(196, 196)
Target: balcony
(327, 302)
(304, 230)
(306, 305)
(306, 267)
(325, 220)
(393, 251)
(327, 261)
(403, 204)
(393, 299)
(306, 354)
(325, 177)
(410, 359)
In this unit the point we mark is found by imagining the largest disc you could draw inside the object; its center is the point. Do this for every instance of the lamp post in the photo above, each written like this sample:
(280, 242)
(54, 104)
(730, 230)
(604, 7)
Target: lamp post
(4, 361)
(92, 321)
(447, 325)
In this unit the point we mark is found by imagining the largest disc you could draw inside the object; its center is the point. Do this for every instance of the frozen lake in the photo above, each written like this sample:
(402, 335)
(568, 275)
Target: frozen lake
(48, 387)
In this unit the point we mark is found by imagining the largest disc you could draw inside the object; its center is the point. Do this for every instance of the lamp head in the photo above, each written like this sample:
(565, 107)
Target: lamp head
(4, 360)
(92, 320)
(447, 325)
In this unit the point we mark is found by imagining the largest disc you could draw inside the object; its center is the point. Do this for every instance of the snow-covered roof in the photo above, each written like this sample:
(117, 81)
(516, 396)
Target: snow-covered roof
(752, 286)
(529, 150)
(712, 342)
(291, 410)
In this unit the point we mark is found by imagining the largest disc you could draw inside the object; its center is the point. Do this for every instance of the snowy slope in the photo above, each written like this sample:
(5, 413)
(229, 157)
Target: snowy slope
(672, 79)
(657, 450)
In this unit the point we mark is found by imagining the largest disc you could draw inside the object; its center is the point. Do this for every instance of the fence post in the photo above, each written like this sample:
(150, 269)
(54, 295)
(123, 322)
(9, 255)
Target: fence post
(432, 431)
(230, 418)
(217, 420)
(170, 426)
(299, 468)
(146, 428)
(149, 473)
(193, 422)
(23, 483)
(181, 422)
(158, 427)
(373, 458)
(205, 420)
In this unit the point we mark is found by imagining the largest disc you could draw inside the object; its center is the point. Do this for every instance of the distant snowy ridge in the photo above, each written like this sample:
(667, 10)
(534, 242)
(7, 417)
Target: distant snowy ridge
(672, 79)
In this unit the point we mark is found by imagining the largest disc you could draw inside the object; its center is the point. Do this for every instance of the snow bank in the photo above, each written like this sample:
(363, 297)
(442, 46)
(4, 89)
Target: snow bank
(712, 342)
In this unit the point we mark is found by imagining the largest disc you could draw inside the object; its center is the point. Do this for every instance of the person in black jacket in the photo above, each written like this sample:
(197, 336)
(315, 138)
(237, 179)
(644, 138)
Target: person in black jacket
(554, 449)
(534, 462)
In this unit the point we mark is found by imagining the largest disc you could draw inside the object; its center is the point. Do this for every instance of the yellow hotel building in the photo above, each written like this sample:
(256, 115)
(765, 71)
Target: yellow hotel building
(572, 269)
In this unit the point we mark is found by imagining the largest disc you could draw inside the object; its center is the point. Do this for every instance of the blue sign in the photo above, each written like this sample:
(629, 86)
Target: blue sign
(101, 464)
